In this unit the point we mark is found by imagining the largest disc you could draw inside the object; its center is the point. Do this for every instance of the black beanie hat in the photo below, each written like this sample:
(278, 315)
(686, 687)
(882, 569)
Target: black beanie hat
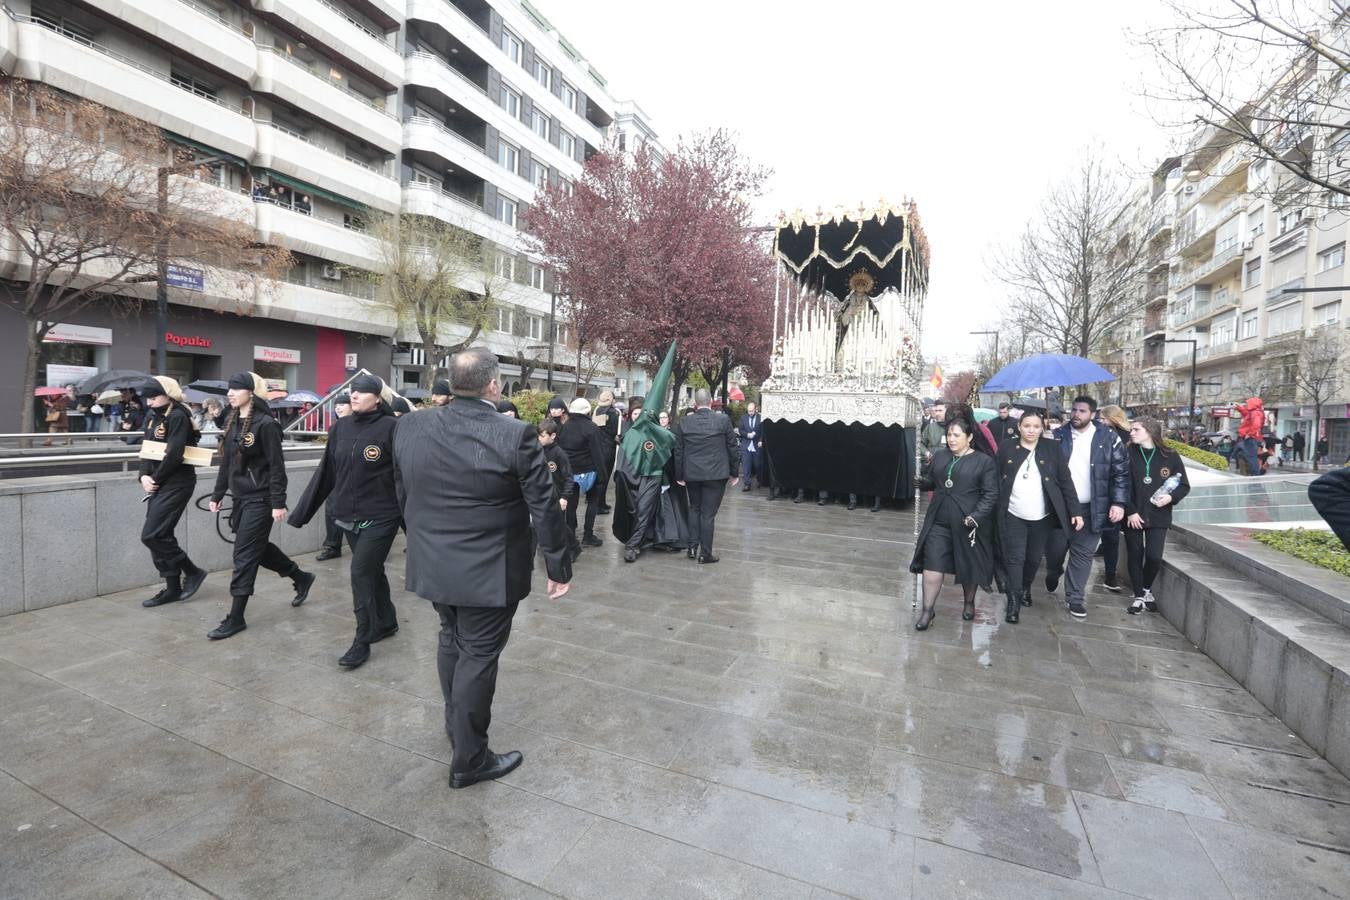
(153, 389)
(441, 387)
(242, 382)
(507, 406)
(343, 399)
(367, 384)
(558, 403)
(399, 405)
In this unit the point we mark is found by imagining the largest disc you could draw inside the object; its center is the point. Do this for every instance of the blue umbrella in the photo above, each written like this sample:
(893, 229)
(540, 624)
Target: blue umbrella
(1046, 370)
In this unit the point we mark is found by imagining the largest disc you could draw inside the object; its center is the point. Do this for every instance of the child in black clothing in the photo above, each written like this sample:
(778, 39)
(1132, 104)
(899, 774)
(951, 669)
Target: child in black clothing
(558, 467)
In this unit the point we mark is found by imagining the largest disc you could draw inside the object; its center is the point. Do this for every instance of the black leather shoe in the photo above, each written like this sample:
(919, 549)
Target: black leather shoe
(799, 497)
(303, 582)
(629, 554)
(357, 654)
(192, 582)
(925, 619)
(591, 540)
(495, 765)
(381, 635)
(693, 552)
(708, 559)
(1025, 597)
(773, 495)
(876, 505)
(852, 501)
(968, 611)
(328, 553)
(227, 628)
(1013, 613)
(164, 596)
(1051, 582)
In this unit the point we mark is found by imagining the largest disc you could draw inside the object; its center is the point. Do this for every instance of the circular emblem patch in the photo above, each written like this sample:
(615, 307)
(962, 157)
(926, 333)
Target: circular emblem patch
(159, 432)
(371, 453)
(1165, 472)
(552, 466)
(248, 439)
(649, 446)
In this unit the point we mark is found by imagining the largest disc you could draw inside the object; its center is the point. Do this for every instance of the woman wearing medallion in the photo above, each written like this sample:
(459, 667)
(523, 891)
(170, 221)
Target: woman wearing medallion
(1035, 496)
(1158, 482)
(957, 536)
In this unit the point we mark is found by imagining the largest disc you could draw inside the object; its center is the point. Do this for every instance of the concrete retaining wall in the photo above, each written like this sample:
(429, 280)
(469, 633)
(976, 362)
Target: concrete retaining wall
(1296, 662)
(71, 537)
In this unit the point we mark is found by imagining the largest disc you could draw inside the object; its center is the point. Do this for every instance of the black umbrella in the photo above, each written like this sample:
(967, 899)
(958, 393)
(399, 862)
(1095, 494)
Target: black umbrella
(417, 393)
(210, 387)
(115, 380)
(284, 404)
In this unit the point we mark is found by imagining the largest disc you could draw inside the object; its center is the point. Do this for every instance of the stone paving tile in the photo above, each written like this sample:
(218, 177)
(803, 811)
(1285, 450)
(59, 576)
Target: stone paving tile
(768, 727)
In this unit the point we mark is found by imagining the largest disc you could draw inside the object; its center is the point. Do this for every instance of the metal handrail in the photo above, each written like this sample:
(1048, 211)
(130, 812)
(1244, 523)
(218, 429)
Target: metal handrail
(29, 462)
(298, 136)
(440, 126)
(369, 101)
(422, 54)
(324, 406)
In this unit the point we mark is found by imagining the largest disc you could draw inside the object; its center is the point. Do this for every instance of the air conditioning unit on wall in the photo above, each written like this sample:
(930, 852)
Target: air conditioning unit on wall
(332, 272)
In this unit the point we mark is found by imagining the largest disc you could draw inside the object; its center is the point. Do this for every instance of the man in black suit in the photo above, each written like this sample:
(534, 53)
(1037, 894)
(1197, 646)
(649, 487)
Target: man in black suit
(1004, 428)
(706, 455)
(748, 433)
(470, 481)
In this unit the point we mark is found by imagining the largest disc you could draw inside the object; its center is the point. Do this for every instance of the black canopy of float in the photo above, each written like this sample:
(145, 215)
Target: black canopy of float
(824, 257)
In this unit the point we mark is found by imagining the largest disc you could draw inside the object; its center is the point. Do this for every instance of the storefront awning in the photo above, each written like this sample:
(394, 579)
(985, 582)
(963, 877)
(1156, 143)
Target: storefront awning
(306, 188)
(205, 149)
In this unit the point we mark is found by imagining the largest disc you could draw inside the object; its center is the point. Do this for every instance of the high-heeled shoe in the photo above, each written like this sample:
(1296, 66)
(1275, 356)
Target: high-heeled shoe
(925, 619)
(968, 610)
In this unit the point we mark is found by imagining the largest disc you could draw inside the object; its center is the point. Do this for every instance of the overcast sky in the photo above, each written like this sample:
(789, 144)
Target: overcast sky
(972, 108)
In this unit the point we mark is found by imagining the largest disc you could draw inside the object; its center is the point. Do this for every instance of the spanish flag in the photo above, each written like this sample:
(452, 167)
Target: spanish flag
(936, 380)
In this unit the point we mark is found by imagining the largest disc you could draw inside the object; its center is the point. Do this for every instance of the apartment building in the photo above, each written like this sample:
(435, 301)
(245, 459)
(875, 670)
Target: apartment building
(314, 114)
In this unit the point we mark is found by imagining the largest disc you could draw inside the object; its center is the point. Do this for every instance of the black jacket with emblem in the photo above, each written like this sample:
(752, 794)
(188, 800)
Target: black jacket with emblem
(251, 464)
(172, 426)
(1061, 497)
(1157, 467)
(561, 472)
(357, 471)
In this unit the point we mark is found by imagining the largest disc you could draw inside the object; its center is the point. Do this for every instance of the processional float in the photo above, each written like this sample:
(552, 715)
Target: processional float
(841, 406)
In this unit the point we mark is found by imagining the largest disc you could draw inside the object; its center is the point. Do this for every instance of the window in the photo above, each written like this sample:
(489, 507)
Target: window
(1285, 320)
(1339, 145)
(511, 45)
(1328, 314)
(567, 143)
(539, 176)
(1256, 220)
(535, 326)
(540, 123)
(509, 100)
(505, 319)
(1258, 171)
(191, 83)
(623, 142)
(561, 334)
(506, 210)
(569, 97)
(1291, 218)
(1251, 324)
(536, 280)
(506, 265)
(543, 73)
(1331, 258)
(1252, 277)
(508, 155)
(1223, 332)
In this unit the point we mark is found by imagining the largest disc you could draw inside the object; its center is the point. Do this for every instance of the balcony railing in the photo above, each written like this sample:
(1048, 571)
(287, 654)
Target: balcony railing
(352, 287)
(375, 103)
(383, 39)
(441, 126)
(1276, 294)
(382, 171)
(418, 54)
(416, 184)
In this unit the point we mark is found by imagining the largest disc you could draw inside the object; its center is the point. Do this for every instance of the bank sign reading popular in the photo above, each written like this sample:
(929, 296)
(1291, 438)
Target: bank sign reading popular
(277, 355)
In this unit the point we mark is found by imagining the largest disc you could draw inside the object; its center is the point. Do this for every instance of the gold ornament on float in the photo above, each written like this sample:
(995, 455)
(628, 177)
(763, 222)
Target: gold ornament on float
(861, 282)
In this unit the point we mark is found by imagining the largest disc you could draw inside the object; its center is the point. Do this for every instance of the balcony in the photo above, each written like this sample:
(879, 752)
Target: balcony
(430, 200)
(325, 304)
(340, 33)
(195, 30)
(1160, 225)
(1225, 263)
(430, 136)
(304, 232)
(73, 63)
(1277, 294)
(295, 155)
(1291, 240)
(290, 79)
(1154, 324)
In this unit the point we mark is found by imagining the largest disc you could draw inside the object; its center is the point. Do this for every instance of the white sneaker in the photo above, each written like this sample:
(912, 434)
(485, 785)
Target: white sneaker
(1149, 603)
(1136, 606)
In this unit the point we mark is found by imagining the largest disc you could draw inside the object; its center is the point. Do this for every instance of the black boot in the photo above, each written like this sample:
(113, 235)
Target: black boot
(192, 579)
(876, 503)
(799, 496)
(773, 493)
(303, 582)
(822, 497)
(173, 591)
(1025, 597)
(233, 623)
(1014, 608)
(357, 654)
(852, 501)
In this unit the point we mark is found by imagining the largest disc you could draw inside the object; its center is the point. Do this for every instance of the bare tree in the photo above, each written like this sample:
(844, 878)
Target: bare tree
(1313, 367)
(1268, 78)
(1075, 273)
(81, 207)
(439, 279)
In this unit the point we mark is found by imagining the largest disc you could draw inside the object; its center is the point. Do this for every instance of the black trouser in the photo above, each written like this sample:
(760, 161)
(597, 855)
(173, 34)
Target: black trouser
(1330, 496)
(251, 521)
(646, 502)
(592, 507)
(472, 638)
(1144, 554)
(370, 586)
(332, 535)
(705, 498)
(1111, 548)
(1023, 547)
(163, 510)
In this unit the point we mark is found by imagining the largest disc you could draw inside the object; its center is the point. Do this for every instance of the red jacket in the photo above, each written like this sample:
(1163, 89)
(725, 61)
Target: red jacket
(1253, 418)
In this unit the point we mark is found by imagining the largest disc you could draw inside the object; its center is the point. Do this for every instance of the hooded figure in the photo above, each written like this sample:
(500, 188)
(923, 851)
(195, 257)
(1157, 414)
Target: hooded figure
(168, 484)
(253, 471)
(356, 478)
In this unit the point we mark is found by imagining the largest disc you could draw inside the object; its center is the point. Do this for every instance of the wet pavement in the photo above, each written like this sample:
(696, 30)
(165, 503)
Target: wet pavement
(770, 726)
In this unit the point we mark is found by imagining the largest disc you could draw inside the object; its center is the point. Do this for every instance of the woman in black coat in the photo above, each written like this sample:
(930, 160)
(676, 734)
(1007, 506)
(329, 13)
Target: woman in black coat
(957, 536)
(1035, 496)
(1158, 482)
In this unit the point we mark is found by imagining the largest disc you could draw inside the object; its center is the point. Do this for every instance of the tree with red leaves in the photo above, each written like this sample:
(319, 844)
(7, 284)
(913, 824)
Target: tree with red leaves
(959, 388)
(653, 250)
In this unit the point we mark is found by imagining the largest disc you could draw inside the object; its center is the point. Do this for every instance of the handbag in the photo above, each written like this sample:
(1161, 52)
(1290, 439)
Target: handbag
(585, 481)
(53, 415)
